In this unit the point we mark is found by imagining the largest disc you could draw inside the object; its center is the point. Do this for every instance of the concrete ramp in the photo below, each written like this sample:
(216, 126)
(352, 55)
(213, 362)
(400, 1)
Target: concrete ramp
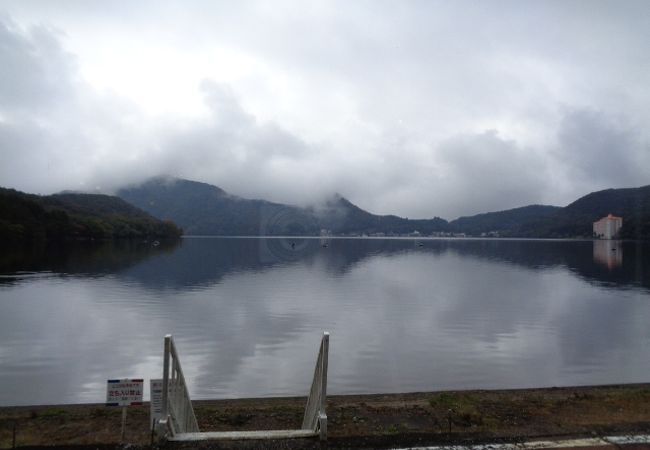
(244, 435)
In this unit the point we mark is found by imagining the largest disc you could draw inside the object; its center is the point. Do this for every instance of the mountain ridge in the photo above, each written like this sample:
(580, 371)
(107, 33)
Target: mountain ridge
(199, 209)
(68, 215)
(202, 208)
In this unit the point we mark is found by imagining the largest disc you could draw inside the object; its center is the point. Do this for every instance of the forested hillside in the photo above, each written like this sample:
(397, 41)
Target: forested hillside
(203, 209)
(68, 216)
(576, 219)
(506, 222)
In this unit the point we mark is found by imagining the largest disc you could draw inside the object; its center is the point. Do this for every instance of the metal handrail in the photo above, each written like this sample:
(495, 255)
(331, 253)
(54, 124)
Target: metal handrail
(315, 417)
(177, 412)
(178, 415)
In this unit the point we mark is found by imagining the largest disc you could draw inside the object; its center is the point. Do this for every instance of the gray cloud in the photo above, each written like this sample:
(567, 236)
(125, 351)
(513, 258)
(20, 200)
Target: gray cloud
(418, 109)
(36, 70)
(602, 151)
(56, 132)
(489, 173)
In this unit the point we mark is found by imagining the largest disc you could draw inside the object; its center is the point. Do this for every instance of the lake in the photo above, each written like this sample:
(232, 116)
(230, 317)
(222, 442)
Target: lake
(247, 315)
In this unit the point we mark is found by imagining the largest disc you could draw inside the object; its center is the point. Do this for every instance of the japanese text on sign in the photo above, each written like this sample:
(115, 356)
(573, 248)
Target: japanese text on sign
(156, 389)
(125, 392)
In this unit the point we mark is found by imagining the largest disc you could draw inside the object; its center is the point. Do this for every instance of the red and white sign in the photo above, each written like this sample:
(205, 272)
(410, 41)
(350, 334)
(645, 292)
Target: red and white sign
(124, 392)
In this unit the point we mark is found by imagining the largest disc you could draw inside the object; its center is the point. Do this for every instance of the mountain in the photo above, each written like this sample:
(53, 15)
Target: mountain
(506, 222)
(340, 216)
(26, 216)
(632, 204)
(575, 219)
(203, 209)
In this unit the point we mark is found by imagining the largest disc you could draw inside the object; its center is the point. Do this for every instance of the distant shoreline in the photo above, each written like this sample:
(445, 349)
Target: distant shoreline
(412, 238)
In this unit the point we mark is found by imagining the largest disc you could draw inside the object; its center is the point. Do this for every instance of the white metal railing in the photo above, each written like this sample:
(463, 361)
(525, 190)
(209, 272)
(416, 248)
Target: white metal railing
(177, 412)
(179, 422)
(315, 411)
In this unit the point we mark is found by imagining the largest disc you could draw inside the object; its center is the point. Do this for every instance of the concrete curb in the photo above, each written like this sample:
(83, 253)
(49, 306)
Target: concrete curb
(607, 441)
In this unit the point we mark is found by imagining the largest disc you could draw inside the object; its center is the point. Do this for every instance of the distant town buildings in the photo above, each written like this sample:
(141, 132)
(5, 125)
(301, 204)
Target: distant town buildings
(608, 227)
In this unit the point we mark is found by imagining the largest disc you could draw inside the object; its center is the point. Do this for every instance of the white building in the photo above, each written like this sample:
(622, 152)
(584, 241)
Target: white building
(607, 227)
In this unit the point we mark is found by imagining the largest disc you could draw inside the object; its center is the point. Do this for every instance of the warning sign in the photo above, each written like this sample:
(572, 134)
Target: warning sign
(124, 392)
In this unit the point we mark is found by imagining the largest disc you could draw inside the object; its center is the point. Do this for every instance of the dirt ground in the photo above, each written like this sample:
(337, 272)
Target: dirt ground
(358, 421)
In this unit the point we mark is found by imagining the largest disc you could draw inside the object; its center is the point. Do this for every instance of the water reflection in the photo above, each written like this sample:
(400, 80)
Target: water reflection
(608, 253)
(247, 316)
(89, 258)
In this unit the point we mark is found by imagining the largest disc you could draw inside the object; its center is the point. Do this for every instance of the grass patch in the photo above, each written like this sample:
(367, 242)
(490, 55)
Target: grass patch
(643, 392)
(53, 413)
(392, 429)
(454, 400)
(461, 407)
(205, 410)
(100, 412)
(443, 399)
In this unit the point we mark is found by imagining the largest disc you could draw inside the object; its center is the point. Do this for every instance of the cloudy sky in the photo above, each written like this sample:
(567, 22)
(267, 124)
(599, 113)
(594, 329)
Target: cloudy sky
(415, 108)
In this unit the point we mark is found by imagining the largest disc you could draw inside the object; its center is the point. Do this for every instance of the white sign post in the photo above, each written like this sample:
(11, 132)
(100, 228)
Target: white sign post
(124, 392)
(156, 389)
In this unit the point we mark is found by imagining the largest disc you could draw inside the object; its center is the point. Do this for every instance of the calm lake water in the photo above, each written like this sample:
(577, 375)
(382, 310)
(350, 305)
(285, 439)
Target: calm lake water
(247, 315)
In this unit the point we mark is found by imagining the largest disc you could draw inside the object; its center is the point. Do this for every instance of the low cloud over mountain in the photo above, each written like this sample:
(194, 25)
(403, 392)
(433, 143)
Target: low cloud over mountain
(417, 109)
